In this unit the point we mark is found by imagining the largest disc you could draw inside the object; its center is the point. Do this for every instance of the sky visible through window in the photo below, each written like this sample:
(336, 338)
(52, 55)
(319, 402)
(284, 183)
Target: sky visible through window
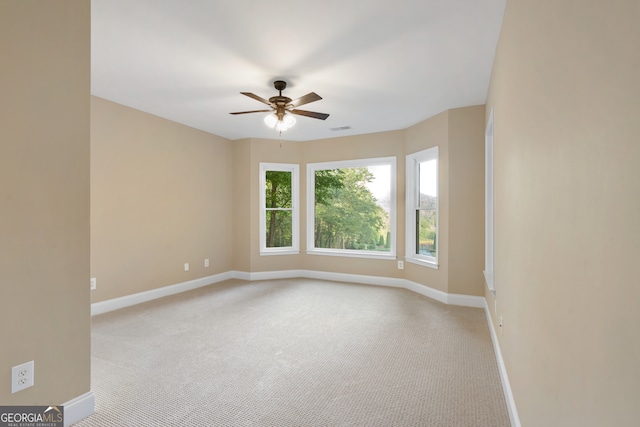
(380, 186)
(428, 178)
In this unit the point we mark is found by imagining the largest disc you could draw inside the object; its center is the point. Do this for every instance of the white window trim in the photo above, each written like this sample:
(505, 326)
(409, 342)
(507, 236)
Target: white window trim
(311, 181)
(489, 232)
(412, 197)
(295, 211)
(422, 262)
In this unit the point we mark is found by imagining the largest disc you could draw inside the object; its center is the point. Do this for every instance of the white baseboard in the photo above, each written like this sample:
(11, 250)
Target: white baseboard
(427, 291)
(353, 278)
(506, 385)
(466, 300)
(242, 275)
(133, 299)
(79, 408)
(453, 299)
(267, 275)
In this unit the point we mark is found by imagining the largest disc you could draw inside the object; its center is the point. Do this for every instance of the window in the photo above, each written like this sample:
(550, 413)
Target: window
(488, 205)
(422, 208)
(351, 208)
(279, 229)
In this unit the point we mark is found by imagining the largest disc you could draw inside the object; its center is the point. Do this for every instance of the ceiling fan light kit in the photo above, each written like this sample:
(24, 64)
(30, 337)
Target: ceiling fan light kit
(287, 122)
(270, 120)
(283, 108)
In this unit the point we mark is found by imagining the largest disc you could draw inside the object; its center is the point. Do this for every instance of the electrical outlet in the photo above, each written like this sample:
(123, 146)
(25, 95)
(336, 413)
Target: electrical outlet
(206, 262)
(186, 266)
(22, 376)
(93, 283)
(400, 265)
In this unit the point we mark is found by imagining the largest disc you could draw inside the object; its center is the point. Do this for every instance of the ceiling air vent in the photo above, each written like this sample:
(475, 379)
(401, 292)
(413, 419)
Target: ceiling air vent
(340, 128)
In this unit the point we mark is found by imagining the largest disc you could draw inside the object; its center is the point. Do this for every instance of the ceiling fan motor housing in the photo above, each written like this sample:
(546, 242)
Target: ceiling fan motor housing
(280, 102)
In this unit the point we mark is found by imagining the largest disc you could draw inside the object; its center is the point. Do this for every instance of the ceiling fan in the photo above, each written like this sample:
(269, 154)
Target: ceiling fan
(283, 107)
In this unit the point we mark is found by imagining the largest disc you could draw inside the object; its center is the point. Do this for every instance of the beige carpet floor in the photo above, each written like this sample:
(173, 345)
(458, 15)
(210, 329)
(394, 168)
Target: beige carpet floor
(295, 353)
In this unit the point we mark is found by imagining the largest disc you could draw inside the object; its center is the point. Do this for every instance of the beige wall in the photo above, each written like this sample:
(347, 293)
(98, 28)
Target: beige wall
(459, 135)
(269, 151)
(385, 144)
(140, 166)
(44, 171)
(161, 196)
(566, 94)
(565, 91)
(464, 127)
(434, 132)
(251, 152)
(241, 225)
(466, 200)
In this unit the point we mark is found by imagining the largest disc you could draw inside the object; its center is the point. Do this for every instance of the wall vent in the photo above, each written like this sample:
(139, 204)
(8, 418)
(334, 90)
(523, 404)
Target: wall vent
(340, 128)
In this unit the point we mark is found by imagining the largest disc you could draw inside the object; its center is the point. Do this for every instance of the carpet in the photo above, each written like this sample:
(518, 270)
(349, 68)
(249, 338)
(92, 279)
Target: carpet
(295, 352)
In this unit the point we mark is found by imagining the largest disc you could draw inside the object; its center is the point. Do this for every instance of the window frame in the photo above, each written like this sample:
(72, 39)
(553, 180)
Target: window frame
(413, 202)
(489, 231)
(295, 208)
(311, 199)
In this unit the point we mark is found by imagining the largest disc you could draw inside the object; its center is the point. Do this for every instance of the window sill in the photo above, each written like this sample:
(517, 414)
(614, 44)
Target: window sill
(352, 254)
(280, 252)
(488, 278)
(423, 263)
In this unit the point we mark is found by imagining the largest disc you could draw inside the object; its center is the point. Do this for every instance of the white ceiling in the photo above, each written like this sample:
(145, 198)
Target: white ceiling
(379, 65)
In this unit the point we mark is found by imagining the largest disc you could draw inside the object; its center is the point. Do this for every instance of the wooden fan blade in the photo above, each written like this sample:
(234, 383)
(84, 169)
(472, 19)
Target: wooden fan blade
(321, 116)
(256, 97)
(254, 111)
(310, 97)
